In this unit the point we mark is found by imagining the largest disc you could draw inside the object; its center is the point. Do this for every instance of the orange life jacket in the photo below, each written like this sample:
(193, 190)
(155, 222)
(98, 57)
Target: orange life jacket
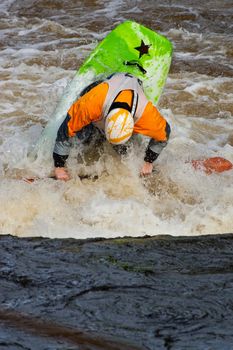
(93, 107)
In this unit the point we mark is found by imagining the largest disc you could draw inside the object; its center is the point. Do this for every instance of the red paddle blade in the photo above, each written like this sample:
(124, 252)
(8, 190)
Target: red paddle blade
(212, 165)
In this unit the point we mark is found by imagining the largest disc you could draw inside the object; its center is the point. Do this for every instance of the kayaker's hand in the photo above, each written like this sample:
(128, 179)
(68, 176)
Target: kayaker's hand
(61, 174)
(146, 169)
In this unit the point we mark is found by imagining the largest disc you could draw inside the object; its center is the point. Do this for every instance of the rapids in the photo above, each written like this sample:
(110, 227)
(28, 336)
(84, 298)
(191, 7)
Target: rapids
(42, 44)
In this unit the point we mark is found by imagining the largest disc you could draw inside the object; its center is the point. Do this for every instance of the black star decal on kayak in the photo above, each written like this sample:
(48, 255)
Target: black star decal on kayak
(143, 49)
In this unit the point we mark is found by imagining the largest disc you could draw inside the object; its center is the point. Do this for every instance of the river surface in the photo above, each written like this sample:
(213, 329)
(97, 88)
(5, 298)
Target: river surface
(160, 293)
(42, 44)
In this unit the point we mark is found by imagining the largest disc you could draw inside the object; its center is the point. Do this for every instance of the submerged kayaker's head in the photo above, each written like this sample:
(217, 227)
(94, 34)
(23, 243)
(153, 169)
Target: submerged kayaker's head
(119, 126)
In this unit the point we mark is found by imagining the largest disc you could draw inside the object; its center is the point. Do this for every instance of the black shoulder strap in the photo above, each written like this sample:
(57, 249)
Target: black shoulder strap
(89, 87)
(119, 105)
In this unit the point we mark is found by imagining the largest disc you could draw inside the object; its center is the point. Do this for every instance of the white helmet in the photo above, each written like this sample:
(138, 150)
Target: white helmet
(119, 126)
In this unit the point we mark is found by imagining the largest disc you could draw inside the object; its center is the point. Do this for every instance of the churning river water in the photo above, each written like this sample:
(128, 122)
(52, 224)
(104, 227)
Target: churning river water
(43, 42)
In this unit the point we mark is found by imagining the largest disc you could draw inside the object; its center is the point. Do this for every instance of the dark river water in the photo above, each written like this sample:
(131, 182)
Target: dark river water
(72, 289)
(161, 293)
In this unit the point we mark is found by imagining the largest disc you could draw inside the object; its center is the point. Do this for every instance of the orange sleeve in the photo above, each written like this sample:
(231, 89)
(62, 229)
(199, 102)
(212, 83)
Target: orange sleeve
(87, 108)
(151, 124)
